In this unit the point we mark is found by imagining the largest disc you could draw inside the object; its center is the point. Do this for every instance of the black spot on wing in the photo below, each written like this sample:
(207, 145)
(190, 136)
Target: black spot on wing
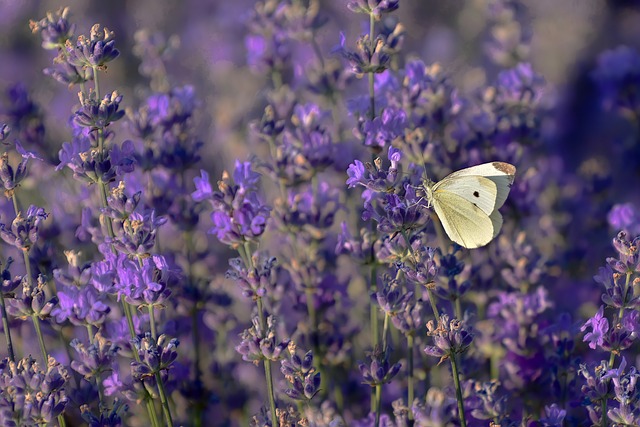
(476, 194)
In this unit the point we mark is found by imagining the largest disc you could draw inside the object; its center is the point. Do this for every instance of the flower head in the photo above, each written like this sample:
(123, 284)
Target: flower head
(93, 52)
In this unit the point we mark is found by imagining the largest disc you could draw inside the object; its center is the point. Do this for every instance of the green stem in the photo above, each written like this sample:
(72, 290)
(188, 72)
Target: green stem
(90, 333)
(152, 322)
(385, 332)
(604, 413)
(612, 357)
(432, 301)
(197, 416)
(163, 399)
(378, 403)
(311, 310)
(151, 411)
(5, 328)
(410, 375)
(43, 348)
(96, 86)
(14, 199)
(373, 309)
(456, 381)
(458, 308)
(166, 410)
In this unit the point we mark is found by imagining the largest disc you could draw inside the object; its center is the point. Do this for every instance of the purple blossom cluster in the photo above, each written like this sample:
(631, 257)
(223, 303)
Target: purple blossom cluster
(243, 232)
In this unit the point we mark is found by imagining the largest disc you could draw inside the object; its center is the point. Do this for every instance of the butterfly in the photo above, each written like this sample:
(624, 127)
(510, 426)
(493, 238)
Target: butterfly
(467, 202)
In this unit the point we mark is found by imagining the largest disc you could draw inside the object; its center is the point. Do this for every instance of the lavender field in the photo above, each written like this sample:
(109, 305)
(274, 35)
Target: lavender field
(239, 213)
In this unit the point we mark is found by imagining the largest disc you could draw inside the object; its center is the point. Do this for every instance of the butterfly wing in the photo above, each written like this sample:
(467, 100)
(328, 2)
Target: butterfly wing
(502, 174)
(496, 221)
(475, 189)
(465, 223)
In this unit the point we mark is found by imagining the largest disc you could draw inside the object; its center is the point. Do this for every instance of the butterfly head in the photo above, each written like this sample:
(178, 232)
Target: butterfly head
(427, 187)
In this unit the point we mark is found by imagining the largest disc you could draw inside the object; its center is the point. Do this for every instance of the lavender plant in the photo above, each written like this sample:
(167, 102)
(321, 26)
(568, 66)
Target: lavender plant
(227, 223)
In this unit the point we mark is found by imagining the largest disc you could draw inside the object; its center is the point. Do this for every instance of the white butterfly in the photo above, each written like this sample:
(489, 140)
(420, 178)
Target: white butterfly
(467, 202)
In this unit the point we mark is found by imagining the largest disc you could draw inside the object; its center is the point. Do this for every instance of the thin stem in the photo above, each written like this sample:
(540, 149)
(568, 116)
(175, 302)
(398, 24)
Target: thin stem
(276, 78)
(5, 328)
(378, 403)
(456, 382)
(410, 375)
(458, 307)
(90, 333)
(311, 310)
(163, 399)
(372, 95)
(151, 410)
(96, 85)
(432, 301)
(267, 368)
(604, 413)
(43, 348)
(385, 332)
(152, 322)
(612, 357)
(14, 199)
(372, 306)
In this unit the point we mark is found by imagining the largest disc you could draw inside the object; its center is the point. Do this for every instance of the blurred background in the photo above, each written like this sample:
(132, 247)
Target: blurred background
(585, 50)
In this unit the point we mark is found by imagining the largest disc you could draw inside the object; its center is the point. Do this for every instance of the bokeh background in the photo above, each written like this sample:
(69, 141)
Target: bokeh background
(590, 145)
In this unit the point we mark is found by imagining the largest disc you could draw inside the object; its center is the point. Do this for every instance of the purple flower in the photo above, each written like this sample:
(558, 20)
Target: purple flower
(599, 327)
(121, 207)
(94, 360)
(144, 283)
(254, 282)
(409, 320)
(391, 298)
(383, 129)
(98, 114)
(239, 214)
(24, 230)
(622, 217)
(23, 115)
(5, 130)
(137, 235)
(32, 302)
(379, 371)
(259, 344)
(372, 176)
(156, 356)
(437, 409)
(486, 402)
(312, 211)
(618, 292)
(81, 306)
(366, 59)
(359, 248)
(69, 74)
(55, 29)
(93, 52)
(554, 416)
(303, 378)
(31, 395)
(420, 268)
(203, 187)
(107, 418)
(628, 260)
(449, 338)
